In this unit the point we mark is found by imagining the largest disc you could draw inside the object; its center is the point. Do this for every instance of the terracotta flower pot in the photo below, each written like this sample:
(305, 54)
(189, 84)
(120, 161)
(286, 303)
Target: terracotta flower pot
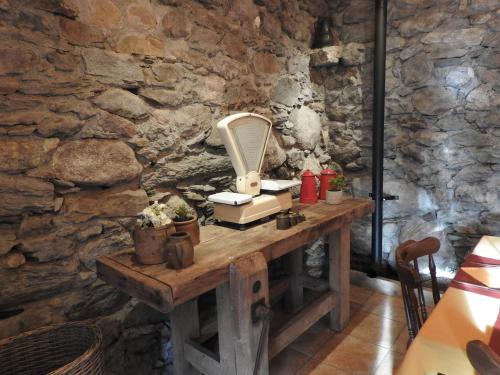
(191, 227)
(150, 242)
(179, 251)
(334, 196)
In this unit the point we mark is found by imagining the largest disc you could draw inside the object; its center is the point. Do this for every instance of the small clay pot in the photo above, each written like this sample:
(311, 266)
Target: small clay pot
(191, 227)
(334, 196)
(179, 251)
(150, 242)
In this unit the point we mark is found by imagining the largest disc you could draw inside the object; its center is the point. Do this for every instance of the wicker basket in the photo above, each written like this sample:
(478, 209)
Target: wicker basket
(70, 348)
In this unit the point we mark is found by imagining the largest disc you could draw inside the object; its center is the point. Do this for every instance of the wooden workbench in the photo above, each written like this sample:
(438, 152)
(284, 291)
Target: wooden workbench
(233, 262)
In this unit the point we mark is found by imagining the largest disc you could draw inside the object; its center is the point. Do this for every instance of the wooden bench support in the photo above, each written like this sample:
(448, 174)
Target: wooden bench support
(339, 243)
(294, 297)
(201, 358)
(185, 325)
(301, 322)
(278, 287)
(248, 285)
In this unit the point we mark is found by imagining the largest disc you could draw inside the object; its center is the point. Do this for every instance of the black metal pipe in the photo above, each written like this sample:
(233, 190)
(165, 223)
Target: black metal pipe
(378, 129)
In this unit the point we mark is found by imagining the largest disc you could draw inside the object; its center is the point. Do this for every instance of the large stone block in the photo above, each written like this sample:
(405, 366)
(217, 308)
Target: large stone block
(459, 38)
(473, 173)
(168, 74)
(60, 7)
(141, 45)
(169, 172)
(122, 103)
(472, 138)
(141, 17)
(435, 100)
(275, 156)
(306, 127)
(107, 203)
(91, 162)
(482, 99)
(17, 60)
(7, 239)
(20, 194)
(163, 96)
(416, 70)
(47, 247)
(421, 23)
(38, 281)
(78, 33)
(107, 125)
(19, 153)
(286, 91)
(176, 23)
(413, 200)
(111, 67)
(104, 13)
(114, 238)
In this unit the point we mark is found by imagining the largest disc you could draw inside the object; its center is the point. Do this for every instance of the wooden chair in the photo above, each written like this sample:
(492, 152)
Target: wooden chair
(407, 255)
(484, 360)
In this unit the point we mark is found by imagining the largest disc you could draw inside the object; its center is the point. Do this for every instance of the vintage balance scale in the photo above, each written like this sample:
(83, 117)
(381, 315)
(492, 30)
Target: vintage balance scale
(245, 136)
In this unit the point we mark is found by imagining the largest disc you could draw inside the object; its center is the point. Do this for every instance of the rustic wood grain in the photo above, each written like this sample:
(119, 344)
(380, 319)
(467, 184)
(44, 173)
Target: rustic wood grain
(294, 297)
(339, 245)
(221, 246)
(185, 326)
(243, 276)
(139, 285)
(301, 322)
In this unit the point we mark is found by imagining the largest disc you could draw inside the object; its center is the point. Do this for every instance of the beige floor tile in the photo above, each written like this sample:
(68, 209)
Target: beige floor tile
(359, 294)
(387, 306)
(355, 356)
(288, 362)
(376, 329)
(312, 340)
(401, 341)
(390, 363)
(319, 368)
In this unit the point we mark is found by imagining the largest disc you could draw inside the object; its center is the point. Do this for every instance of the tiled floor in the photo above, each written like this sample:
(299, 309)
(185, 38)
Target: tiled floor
(373, 344)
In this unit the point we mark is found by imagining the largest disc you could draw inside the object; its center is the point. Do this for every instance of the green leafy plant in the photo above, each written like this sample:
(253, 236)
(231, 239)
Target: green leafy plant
(338, 183)
(182, 213)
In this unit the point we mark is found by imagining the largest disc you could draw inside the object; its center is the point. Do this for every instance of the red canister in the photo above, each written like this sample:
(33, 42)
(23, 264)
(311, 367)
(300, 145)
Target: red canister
(324, 182)
(308, 193)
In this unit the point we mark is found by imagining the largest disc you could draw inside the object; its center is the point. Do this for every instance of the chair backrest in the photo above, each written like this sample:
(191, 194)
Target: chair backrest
(407, 255)
(484, 360)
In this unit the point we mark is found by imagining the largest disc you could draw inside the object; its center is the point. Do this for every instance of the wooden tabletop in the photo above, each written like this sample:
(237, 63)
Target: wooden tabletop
(164, 288)
(468, 310)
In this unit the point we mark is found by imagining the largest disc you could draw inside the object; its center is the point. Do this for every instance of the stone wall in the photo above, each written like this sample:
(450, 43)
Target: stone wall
(109, 104)
(442, 140)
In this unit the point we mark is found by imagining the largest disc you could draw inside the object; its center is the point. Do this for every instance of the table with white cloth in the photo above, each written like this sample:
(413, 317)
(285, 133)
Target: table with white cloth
(469, 310)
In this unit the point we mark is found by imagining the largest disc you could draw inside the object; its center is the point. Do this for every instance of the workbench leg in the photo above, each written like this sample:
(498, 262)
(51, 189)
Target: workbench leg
(184, 322)
(225, 326)
(339, 244)
(248, 285)
(294, 296)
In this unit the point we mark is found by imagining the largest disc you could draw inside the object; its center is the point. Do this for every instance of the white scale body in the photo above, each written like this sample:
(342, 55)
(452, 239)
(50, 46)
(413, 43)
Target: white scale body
(245, 136)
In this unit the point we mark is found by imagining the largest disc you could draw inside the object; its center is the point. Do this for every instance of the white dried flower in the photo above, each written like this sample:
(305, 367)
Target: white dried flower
(154, 216)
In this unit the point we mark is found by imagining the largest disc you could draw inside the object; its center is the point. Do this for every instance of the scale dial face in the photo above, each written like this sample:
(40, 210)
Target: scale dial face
(245, 137)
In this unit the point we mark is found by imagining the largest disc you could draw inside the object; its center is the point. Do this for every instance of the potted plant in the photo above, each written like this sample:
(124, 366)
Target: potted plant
(153, 228)
(335, 195)
(186, 220)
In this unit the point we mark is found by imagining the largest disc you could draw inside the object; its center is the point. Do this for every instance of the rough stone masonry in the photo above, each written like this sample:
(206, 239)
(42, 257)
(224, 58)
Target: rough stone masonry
(108, 104)
(442, 135)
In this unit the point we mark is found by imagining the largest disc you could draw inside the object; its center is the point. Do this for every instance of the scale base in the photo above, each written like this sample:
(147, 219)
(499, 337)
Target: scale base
(260, 207)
